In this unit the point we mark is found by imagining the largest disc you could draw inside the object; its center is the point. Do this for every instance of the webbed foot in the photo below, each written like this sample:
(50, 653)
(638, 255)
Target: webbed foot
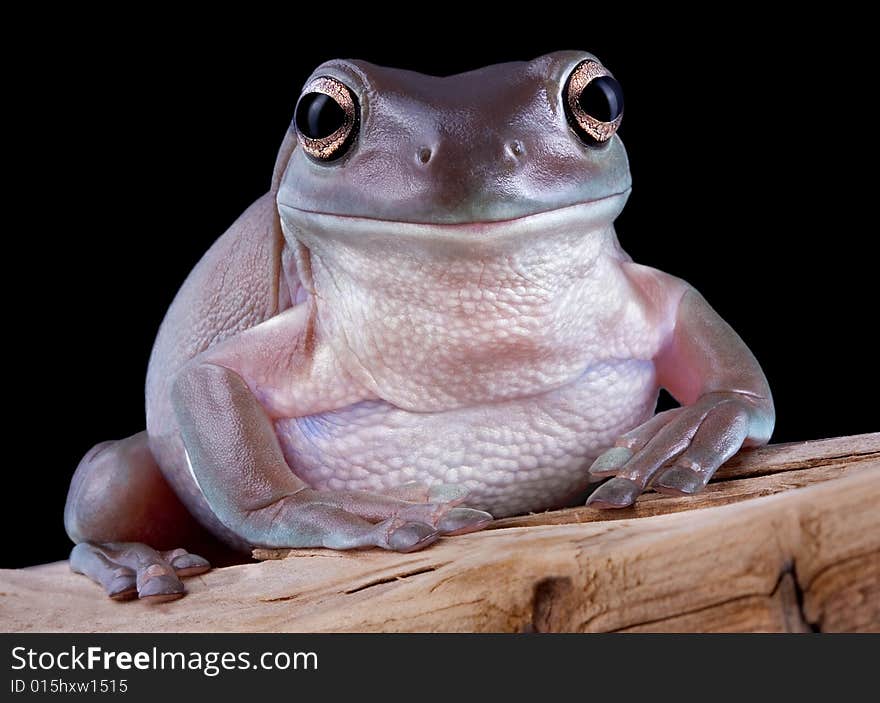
(405, 519)
(677, 451)
(130, 569)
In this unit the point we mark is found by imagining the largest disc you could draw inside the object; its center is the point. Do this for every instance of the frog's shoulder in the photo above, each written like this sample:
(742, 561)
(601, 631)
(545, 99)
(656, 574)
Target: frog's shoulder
(652, 304)
(657, 289)
(234, 286)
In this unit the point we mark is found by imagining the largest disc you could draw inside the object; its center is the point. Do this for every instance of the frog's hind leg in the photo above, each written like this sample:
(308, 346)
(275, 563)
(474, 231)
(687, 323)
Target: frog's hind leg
(129, 524)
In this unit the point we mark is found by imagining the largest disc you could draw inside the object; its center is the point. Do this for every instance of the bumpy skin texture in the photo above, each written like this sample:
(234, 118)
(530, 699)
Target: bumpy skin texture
(437, 328)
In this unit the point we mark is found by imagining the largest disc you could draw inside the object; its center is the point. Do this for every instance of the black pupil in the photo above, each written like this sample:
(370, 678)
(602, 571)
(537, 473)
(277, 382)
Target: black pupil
(602, 99)
(318, 115)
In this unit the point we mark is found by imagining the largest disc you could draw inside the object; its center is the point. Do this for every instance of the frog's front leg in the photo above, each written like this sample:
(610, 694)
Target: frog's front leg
(726, 404)
(237, 461)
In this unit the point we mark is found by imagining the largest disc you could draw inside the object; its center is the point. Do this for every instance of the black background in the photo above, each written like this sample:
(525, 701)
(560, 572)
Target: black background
(133, 146)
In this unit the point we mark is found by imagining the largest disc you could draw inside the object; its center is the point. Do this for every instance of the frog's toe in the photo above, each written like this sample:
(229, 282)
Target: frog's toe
(616, 493)
(459, 521)
(678, 480)
(159, 586)
(185, 563)
(118, 581)
(610, 462)
(129, 569)
(410, 536)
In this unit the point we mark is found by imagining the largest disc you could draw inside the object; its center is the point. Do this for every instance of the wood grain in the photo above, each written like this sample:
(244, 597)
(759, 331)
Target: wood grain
(788, 540)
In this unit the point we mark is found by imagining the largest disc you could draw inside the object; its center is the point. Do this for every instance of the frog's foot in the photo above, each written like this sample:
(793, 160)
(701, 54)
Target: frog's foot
(440, 503)
(345, 519)
(406, 518)
(679, 449)
(129, 569)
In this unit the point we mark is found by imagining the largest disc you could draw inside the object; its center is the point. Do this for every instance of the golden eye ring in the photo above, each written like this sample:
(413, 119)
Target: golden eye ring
(326, 118)
(593, 102)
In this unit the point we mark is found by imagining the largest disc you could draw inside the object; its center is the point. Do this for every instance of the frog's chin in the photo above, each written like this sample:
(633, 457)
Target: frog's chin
(309, 227)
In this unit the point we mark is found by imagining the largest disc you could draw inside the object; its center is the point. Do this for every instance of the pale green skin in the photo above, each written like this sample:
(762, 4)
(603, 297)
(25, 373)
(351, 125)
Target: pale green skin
(384, 348)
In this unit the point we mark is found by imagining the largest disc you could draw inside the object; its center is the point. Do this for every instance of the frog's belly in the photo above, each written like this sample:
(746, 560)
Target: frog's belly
(524, 455)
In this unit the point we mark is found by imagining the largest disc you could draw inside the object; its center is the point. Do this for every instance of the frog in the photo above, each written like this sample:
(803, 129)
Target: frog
(425, 324)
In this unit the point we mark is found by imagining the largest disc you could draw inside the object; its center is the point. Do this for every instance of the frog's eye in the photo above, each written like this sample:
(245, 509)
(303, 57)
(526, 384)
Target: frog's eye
(326, 118)
(593, 102)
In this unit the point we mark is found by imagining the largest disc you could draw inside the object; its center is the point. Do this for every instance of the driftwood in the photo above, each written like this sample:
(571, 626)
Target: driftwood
(786, 539)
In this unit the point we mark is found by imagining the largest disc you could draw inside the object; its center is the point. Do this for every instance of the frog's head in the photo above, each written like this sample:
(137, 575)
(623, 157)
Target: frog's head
(477, 156)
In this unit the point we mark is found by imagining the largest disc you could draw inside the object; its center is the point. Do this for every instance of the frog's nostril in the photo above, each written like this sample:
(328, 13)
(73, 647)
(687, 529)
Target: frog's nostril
(423, 155)
(515, 148)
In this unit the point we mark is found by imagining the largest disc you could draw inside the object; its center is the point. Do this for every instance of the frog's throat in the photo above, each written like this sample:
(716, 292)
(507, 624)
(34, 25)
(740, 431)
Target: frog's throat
(310, 226)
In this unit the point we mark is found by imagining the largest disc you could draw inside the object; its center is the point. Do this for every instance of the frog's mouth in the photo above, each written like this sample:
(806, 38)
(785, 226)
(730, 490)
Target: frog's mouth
(579, 218)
